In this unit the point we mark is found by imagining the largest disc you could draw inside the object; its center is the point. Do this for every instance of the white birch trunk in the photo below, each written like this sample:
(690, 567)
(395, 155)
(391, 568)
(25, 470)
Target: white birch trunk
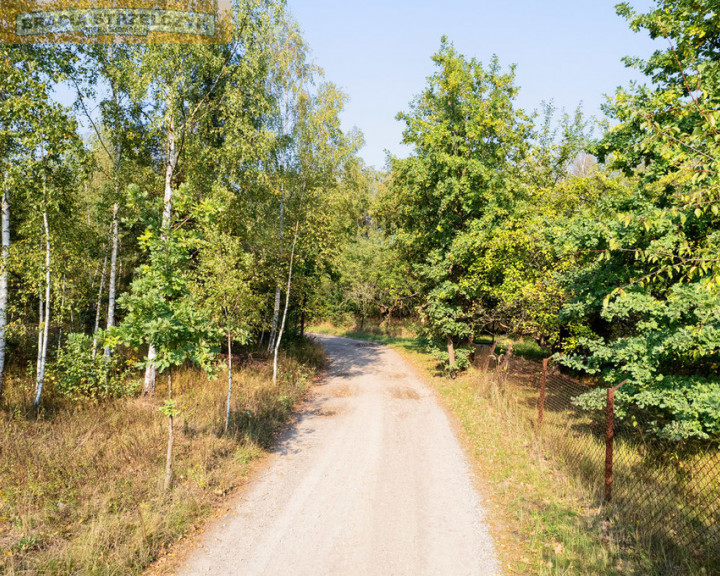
(60, 319)
(169, 174)
(150, 370)
(276, 310)
(275, 319)
(113, 275)
(46, 328)
(287, 303)
(4, 281)
(97, 308)
(40, 337)
(229, 394)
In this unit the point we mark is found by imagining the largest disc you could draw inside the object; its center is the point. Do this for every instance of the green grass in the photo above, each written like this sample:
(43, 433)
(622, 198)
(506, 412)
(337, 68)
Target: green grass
(403, 342)
(523, 347)
(531, 350)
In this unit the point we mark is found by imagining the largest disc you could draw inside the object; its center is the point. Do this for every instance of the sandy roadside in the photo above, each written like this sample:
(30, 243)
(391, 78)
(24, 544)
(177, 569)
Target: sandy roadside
(370, 480)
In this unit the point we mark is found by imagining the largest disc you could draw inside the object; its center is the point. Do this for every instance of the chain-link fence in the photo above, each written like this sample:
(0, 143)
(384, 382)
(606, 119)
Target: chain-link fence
(667, 493)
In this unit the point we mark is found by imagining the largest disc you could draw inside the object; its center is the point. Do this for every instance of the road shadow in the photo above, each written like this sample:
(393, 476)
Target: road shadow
(346, 359)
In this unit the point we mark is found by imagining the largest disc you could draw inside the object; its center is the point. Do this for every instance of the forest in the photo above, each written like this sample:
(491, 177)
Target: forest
(200, 204)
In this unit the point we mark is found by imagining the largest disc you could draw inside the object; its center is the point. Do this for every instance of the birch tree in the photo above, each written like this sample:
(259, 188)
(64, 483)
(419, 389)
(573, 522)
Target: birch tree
(37, 136)
(287, 305)
(290, 76)
(23, 98)
(225, 288)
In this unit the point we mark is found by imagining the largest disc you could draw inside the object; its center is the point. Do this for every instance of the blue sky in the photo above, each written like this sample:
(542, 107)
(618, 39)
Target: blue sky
(378, 52)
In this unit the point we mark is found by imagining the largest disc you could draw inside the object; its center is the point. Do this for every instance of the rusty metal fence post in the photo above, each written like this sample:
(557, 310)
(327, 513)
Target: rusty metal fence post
(610, 439)
(543, 389)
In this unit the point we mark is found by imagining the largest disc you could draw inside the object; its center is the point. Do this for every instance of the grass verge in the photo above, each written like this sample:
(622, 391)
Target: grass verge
(541, 518)
(81, 488)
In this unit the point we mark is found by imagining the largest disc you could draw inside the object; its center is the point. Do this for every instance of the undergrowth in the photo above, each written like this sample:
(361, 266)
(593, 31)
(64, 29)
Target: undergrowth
(81, 486)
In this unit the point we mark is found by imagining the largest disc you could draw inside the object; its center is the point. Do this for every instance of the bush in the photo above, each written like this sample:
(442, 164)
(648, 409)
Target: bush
(463, 356)
(79, 375)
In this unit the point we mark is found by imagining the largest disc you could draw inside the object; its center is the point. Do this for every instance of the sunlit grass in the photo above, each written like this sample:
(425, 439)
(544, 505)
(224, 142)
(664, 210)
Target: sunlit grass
(541, 518)
(81, 488)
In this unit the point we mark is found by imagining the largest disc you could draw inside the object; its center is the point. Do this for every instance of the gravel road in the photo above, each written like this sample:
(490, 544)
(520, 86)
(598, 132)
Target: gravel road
(369, 481)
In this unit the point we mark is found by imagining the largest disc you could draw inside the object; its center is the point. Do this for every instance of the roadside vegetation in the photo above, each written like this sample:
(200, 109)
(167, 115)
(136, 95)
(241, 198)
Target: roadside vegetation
(82, 487)
(544, 515)
(594, 242)
(159, 241)
(165, 240)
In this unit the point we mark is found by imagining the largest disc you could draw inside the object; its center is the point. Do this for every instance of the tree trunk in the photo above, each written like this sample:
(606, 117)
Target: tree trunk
(276, 318)
(41, 308)
(60, 319)
(262, 334)
(451, 350)
(113, 275)
(287, 303)
(46, 328)
(171, 161)
(4, 281)
(229, 394)
(150, 372)
(302, 317)
(276, 310)
(169, 456)
(169, 174)
(97, 308)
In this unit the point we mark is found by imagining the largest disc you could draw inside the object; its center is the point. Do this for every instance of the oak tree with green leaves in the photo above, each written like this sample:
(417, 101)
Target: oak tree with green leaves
(463, 176)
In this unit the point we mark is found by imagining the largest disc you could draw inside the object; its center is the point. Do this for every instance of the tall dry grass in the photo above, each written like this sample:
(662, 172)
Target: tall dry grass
(81, 486)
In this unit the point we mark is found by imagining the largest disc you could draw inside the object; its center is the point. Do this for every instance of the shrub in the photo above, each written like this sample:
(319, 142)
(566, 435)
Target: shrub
(80, 375)
(463, 356)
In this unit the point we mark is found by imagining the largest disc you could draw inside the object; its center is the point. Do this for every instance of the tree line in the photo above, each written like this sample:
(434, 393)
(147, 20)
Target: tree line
(191, 198)
(603, 249)
(194, 198)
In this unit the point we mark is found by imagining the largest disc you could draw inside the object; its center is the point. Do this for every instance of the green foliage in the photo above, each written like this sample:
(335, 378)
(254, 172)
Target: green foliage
(463, 356)
(161, 310)
(371, 280)
(169, 408)
(462, 177)
(80, 375)
(649, 286)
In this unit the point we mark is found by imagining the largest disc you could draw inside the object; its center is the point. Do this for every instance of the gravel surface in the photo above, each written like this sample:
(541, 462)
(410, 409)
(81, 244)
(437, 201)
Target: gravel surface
(369, 481)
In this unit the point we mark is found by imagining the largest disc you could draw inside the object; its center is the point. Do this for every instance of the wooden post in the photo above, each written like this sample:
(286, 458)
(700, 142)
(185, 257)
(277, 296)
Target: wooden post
(543, 389)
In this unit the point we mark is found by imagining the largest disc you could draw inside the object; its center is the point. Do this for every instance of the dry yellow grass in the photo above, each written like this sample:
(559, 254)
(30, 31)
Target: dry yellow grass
(81, 487)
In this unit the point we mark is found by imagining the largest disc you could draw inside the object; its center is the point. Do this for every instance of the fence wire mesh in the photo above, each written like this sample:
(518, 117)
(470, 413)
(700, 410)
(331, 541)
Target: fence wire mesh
(668, 492)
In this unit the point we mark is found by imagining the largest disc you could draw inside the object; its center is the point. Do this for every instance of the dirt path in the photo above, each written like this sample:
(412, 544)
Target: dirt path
(370, 481)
